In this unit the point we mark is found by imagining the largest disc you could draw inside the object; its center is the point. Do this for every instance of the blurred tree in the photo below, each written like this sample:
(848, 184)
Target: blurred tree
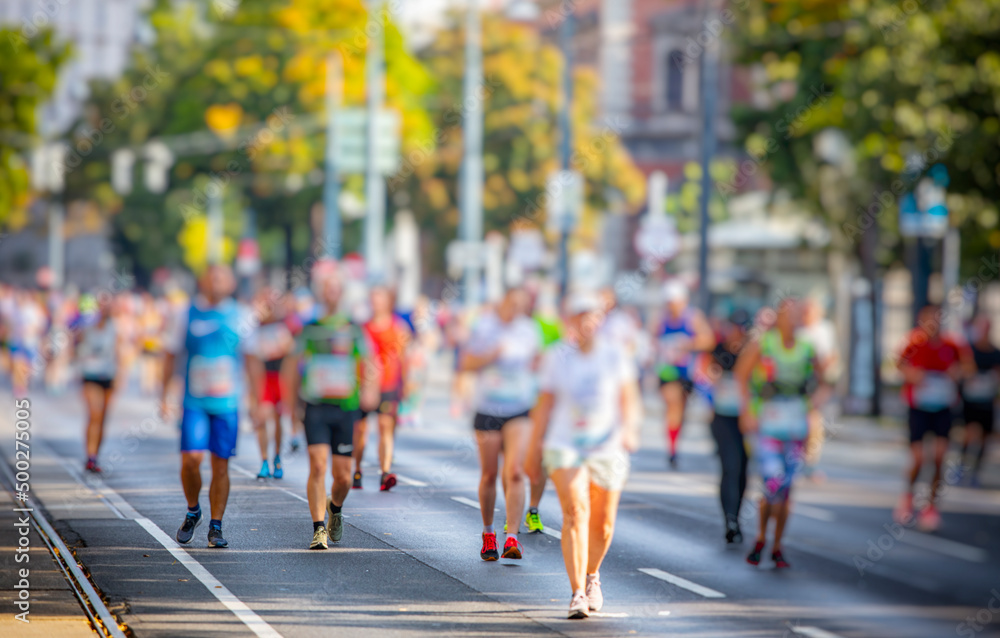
(237, 89)
(29, 68)
(908, 83)
(521, 95)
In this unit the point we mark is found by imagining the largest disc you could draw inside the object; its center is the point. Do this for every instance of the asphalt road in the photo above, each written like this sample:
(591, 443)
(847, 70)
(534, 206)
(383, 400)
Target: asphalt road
(409, 563)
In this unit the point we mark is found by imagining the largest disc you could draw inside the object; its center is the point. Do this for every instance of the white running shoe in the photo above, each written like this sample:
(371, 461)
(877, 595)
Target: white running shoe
(594, 595)
(578, 606)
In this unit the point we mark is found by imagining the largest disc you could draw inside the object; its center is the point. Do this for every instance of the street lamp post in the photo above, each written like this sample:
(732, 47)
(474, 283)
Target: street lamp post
(566, 133)
(331, 183)
(472, 163)
(374, 185)
(709, 91)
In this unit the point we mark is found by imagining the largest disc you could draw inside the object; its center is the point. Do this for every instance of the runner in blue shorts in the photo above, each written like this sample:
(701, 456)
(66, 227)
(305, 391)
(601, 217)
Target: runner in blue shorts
(211, 339)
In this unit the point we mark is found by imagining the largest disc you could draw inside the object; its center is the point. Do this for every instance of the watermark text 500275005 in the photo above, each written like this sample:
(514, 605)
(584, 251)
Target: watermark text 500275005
(22, 514)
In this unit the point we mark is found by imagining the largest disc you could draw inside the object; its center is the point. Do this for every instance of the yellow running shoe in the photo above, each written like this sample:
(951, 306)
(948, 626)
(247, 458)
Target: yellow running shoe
(532, 520)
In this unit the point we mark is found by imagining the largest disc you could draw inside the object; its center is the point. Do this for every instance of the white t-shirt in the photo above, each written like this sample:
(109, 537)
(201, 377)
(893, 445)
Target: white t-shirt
(587, 390)
(507, 386)
(29, 325)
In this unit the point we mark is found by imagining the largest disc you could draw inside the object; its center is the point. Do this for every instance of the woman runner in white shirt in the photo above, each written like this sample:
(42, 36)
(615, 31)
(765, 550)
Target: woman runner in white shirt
(584, 431)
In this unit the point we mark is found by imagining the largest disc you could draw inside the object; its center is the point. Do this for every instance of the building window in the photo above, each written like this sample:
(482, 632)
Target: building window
(676, 62)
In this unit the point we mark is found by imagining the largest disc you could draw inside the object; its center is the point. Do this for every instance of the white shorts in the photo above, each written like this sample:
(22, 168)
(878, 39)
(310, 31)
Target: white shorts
(609, 472)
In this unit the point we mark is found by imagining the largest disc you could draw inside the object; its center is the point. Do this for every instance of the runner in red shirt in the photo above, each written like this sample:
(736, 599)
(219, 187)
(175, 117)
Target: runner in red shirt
(389, 336)
(931, 364)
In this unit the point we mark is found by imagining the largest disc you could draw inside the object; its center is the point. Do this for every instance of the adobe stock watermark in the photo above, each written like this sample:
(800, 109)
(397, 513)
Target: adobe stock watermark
(712, 29)
(43, 17)
(975, 624)
(889, 22)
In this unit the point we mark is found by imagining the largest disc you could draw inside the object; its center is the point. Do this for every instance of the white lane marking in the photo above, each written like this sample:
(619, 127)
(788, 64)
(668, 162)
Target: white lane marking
(812, 632)
(211, 583)
(80, 478)
(609, 614)
(242, 471)
(663, 613)
(945, 546)
(554, 533)
(465, 501)
(294, 495)
(814, 512)
(227, 598)
(682, 582)
(409, 481)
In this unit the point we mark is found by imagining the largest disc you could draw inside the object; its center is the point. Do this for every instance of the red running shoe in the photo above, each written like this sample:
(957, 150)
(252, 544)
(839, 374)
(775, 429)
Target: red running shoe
(512, 549)
(779, 560)
(754, 557)
(388, 482)
(489, 550)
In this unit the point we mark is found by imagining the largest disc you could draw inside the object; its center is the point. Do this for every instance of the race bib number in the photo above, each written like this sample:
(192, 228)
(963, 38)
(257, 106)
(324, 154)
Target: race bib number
(273, 342)
(510, 387)
(982, 388)
(331, 376)
(936, 392)
(211, 377)
(784, 419)
(726, 396)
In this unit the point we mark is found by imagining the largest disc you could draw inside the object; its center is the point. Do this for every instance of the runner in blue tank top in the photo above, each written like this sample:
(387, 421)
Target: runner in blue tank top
(212, 339)
(683, 332)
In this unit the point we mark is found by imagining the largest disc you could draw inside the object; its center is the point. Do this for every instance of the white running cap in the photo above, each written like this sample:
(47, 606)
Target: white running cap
(675, 290)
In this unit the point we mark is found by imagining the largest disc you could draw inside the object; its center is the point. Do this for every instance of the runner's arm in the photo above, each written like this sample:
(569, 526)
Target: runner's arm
(540, 415)
(704, 336)
(745, 363)
(288, 377)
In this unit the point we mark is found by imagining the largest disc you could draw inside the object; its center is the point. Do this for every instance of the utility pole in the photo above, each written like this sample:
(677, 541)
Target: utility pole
(566, 139)
(374, 185)
(472, 162)
(331, 183)
(709, 92)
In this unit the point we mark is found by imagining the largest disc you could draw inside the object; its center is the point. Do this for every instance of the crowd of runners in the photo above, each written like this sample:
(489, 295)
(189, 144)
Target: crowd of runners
(552, 391)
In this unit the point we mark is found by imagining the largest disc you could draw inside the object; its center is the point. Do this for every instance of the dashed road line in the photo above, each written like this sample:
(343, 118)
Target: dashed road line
(684, 583)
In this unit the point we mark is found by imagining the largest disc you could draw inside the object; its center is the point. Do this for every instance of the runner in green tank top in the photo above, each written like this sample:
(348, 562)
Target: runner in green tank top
(780, 378)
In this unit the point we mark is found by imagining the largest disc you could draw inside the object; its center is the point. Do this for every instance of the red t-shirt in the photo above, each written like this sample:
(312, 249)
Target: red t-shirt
(923, 354)
(389, 342)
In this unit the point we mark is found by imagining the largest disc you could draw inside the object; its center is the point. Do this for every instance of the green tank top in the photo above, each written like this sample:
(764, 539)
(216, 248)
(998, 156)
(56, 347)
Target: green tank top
(332, 349)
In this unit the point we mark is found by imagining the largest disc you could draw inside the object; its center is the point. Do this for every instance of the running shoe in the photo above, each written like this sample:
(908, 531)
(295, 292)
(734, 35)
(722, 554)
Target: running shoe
(489, 550)
(533, 521)
(357, 481)
(215, 538)
(734, 535)
(336, 524)
(595, 597)
(579, 606)
(320, 537)
(672, 460)
(754, 556)
(265, 471)
(512, 549)
(186, 532)
(295, 445)
(929, 519)
(779, 560)
(903, 514)
(279, 472)
(388, 482)
(92, 467)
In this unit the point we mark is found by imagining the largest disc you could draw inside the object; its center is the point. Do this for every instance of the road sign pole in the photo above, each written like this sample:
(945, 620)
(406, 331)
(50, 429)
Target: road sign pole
(331, 184)
(374, 184)
(472, 168)
(709, 88)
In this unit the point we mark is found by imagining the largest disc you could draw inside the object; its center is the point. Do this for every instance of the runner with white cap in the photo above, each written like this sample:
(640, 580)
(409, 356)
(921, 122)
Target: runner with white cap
(683, 331)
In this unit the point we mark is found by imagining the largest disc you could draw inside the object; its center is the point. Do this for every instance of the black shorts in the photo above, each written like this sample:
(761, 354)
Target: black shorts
(493, 423)
(388, 404)
(330, 425)
(106, 384)
(981, 413)
(686, 384)
(922, 422)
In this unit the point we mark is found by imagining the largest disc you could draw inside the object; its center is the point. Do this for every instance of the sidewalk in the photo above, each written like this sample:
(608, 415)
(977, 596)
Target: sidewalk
(54, 609)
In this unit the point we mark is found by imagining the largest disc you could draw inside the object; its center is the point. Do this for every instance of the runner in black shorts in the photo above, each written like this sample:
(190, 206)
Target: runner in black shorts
(337, 377)
(979, 394)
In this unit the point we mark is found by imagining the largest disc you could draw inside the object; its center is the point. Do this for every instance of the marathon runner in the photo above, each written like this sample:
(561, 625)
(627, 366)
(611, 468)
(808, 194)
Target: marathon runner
(682, 332)
(97, 352)
(584, 429)
(780, 379)
(503, 350)
(332, 373)
(931, 364)
(210, 337)
(979, 394)
(715, 378)
(389, 337)
(26, 339)
(273, 341)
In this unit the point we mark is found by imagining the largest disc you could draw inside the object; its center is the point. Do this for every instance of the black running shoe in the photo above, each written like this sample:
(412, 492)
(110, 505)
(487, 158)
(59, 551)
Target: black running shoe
(672, 460)
(215, 538)
(186, 532)
(357, 481)
(754, 557)
(733, 534)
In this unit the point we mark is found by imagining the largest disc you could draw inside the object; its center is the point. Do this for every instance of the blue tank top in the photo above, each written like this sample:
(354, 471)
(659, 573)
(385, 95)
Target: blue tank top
(672, 360)
(213, 372)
